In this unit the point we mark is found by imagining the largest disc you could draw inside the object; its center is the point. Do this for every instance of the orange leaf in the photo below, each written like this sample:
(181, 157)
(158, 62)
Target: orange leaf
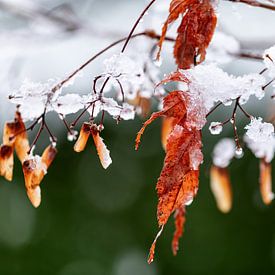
(34, 169)
(221, 188)
(22, 146)
(179, 224)
(266, 182)
(179, 178)
(102, 151)
(166, 129)
(173, 106)
(153, 247)
(194, 33)
(83, 138)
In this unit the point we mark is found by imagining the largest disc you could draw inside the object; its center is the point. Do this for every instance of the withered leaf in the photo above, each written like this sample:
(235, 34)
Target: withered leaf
(194, 33)
(266, 182)
(221, 188)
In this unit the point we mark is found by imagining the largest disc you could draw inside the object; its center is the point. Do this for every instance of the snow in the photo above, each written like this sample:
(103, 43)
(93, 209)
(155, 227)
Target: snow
(214, 85)
(224, 152)
(215, 128)
(260, 139)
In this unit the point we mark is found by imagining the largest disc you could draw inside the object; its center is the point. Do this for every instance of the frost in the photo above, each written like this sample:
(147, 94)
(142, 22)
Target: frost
(127, 71)
(72, 135)
(224, 152)
(110, 106)
(215, 128)
(211, 84)
(222, 48)
(260, 139)
(68, 104)
(31, 98)
(269, 60)
(135, 71)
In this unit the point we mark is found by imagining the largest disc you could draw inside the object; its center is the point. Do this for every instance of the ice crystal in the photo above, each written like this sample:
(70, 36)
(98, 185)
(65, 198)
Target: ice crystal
(260, 139)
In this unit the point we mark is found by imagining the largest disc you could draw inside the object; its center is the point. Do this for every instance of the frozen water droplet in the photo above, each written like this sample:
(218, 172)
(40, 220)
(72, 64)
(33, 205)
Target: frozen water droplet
(189, 202)
(215, 128)
(232, 120)
(72, 135)
(100, 127)
(239, 152)
(158, 62)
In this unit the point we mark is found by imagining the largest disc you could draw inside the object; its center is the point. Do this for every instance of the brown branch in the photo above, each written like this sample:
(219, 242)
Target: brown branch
(136, 24)
(149, 34)
(255, 3)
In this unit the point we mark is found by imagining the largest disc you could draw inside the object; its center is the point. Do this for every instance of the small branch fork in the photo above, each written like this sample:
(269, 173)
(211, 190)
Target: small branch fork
(126, 40)
(232, 119)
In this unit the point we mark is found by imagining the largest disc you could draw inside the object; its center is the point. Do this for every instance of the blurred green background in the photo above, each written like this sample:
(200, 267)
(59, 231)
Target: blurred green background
(97, 222)
(93, 221)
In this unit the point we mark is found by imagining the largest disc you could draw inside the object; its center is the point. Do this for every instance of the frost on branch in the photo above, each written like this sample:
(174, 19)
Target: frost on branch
(133, 76)
(260, 139)
(220, 182)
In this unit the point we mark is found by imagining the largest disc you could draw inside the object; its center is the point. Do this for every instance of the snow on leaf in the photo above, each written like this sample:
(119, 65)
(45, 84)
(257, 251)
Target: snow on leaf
(194, 33)
(102, 151)
(179, 178)
(93, 130)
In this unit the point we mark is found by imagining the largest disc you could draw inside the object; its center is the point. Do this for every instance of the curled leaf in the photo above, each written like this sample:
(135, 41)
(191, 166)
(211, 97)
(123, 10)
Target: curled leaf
(221, 188)
(102, 151)
(179, 178)
(34, 169)
(173, 107)
(266, 182)
(22, 146)
(195, 32)
(153, 247)
(179, 225)
(83, 138)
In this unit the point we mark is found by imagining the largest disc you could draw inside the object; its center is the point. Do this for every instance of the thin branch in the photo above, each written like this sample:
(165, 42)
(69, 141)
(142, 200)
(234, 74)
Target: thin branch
(136, 24)
(255, 3)
(149, 34)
